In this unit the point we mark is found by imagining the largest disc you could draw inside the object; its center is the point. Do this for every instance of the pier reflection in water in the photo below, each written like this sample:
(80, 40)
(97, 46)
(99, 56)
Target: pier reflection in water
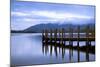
(60, 50)
(30, 49)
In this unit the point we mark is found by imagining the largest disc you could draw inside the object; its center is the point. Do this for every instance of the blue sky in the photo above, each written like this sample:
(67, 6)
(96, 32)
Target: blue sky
(26, 14)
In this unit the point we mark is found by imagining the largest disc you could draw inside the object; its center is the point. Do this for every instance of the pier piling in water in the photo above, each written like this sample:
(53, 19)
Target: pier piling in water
(87, 43)
(78, 36)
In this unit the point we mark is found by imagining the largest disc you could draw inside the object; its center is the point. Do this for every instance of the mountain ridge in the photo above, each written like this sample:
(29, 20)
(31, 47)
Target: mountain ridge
(40, 27)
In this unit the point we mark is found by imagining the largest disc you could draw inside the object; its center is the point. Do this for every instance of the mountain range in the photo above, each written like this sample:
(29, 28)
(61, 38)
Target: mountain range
(40, 27)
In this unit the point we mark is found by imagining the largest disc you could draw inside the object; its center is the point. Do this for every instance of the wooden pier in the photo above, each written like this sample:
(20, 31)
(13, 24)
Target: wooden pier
(58, 38)
(61, 35)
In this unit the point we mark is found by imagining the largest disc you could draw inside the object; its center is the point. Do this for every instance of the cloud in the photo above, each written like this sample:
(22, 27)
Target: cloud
(32, 20)
(51, 15)
(45, 16)
(37, 20)
(25, 19)
(59, 15)
(19, 14)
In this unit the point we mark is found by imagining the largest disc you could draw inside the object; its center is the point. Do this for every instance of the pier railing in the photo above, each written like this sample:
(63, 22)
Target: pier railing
(54, 35)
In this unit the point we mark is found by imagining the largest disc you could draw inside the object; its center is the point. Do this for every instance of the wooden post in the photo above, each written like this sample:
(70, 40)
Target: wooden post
(50, 35)
(69, 43)
(42, 35)
(72, 41)
(62, 36)
(45, 36)
(59, 36)
(87, 43)
(78, 43)
(90, 32)
(43, 41)
(55, 36)
(69, 35)
(64, 40)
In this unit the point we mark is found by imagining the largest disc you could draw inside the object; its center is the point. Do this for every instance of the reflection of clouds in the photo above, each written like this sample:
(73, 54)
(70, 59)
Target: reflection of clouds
(27, 49)
(22, 46)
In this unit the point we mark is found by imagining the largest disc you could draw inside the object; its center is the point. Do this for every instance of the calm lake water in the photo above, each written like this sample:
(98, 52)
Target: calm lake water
(26, 49)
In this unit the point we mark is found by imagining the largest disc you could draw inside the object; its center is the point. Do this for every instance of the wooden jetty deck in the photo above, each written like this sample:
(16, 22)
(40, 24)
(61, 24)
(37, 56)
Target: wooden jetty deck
(67, 39)
(62, 35)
